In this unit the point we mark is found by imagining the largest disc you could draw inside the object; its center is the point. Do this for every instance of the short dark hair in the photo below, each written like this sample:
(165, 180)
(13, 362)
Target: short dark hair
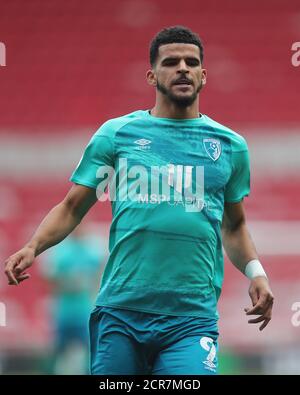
(174, 34)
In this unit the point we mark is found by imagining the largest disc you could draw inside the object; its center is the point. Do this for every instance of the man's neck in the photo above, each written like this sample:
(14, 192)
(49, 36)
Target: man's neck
(170, 110)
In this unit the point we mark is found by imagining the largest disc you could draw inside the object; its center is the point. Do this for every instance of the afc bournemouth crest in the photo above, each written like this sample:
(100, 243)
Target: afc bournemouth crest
(212, 148)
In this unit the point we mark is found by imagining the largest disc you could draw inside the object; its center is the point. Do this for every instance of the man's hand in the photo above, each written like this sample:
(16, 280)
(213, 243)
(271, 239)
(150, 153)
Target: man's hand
(262, 301)
(16, 265)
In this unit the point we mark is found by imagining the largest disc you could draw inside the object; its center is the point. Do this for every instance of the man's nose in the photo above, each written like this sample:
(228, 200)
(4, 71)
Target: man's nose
(182, 67)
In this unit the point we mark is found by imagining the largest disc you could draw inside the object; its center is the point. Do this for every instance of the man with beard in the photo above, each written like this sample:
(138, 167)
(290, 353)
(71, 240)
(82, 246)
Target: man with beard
(176, 181)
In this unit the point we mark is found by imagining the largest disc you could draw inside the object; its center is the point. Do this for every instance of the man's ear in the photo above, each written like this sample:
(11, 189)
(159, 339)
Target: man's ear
(204, 76)
(151, 78)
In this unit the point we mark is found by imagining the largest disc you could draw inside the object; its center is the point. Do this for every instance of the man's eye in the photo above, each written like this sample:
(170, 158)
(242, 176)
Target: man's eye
(170, 63)
(193, 63)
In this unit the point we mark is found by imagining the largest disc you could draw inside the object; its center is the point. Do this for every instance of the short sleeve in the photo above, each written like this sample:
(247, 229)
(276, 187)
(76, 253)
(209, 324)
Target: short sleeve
(238, 185)
(99, 152)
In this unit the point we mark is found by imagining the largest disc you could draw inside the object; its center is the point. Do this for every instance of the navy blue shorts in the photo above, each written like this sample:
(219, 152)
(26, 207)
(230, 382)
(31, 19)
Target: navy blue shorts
(127, 342)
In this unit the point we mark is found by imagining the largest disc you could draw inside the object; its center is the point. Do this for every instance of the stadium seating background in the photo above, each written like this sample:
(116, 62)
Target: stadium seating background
(72, 65)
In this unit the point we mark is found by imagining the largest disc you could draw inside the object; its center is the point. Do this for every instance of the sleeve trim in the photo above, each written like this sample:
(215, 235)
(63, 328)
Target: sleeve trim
(82, 182)
(236, 200)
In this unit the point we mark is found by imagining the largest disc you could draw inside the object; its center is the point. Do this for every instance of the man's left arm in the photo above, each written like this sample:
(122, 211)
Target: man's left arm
(242, 253)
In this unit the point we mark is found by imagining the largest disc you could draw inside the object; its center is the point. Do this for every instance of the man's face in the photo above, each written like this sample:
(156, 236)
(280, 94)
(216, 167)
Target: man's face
(178, 73)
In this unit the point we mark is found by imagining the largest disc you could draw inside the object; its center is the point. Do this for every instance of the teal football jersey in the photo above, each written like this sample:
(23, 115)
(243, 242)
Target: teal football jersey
(167, 180)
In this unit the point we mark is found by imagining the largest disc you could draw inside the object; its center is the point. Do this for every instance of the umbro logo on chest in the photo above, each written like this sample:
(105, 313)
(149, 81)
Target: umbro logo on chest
(143, 144)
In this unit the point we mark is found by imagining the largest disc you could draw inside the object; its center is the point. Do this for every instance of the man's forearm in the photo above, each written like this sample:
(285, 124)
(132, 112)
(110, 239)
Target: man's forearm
(239, 246)
(57, 225)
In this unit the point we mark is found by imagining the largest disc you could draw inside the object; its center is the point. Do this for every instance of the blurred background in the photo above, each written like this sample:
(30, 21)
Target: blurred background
(72, 65)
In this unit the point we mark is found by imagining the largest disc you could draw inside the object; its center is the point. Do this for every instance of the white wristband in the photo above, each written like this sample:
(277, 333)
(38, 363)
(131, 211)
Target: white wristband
(254, 269)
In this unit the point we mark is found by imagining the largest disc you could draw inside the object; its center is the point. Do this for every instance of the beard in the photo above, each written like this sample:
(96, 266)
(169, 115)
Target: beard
(179, 101)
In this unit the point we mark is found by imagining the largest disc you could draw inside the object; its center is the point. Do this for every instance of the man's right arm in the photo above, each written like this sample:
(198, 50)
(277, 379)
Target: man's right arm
(56, 226)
